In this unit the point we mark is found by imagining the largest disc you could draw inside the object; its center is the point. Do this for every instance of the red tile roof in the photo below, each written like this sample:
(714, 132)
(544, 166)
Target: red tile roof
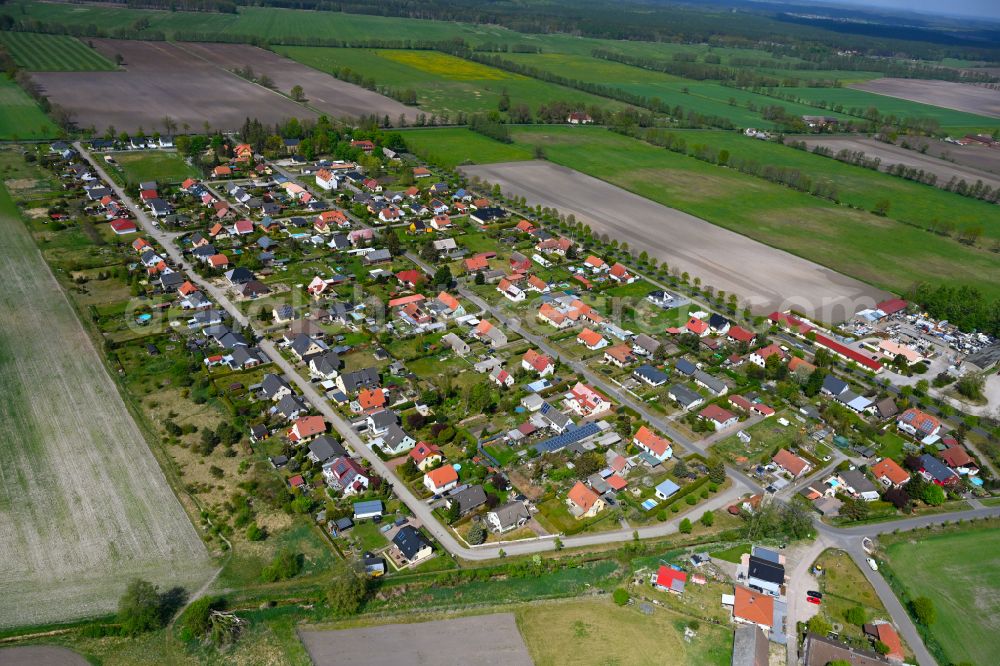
(753, 606)
(789, 461)
(658, 445)
(716, 413)
(442, 476)
(891, 470)
(582, 496)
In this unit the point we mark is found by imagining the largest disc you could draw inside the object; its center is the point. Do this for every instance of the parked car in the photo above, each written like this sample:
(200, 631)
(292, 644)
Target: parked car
(872, 564)
(814, 593)
(813, 600)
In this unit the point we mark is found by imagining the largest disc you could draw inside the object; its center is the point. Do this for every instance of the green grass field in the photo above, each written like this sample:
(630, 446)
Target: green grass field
(960, 571)
(596, 631)
(911, 202)
(862, 99)
(705, 97)
(158, 165)
(452, 147)
(37, 52)
(20, 116)
(881, 251)
(444, 83)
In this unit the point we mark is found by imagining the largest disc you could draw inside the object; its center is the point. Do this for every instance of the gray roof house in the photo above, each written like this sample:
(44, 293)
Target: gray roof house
(380, 421)
(352, 382)
(650, 375)
(685, 367)
(275, 387)
(324, 448)
(469, 499)
(508, 517)
(684, 396)
(290, 407)
(833, 385)
(325, 366)
(396, 440)
(716, 386)
(645, 345)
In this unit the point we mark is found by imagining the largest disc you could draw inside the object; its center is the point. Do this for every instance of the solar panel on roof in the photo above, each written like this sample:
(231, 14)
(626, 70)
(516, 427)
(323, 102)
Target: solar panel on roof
(565, 439)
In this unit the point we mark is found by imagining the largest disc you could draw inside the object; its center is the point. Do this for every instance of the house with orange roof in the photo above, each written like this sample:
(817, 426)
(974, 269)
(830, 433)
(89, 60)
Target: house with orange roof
(885, 633)
(619, 355)
(476, 263)
(696, 326)
(791, 463)
(453, 308)
(490, 334)
(798, 364)
(750, 607)
(325, 179)
(551, 316)
(426, 455)
(441, 222)
(584, 502)
(305, 428)
(222, 171)
(918, 424)
(372, 400)
(533, 361)
(656, 446)
(525, 226)
(620, 274)
(186, 289)
(740, 335)
(595, 264)
(140, 245)
(218, 261)
(535, 283)
(759, 356)
(441, 480)
(217, 230)
(511, 291)
(421, 172)
(888, 472)
(591, 339)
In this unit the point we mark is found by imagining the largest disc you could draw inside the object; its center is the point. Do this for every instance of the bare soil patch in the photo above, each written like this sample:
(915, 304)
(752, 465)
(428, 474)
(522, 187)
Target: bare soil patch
(891, 154)
(483, 640)
(84, 506)
(958, 96)
(324, 92)
(769, 278)
(162, 79)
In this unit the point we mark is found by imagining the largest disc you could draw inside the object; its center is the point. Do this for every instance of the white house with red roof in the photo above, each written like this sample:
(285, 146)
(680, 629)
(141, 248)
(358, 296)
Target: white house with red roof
(738, 334)
(501, 377)
(442, 479)
(425, 455)
(620, 274)
(586, 401)
(697, 327)
(595, 264)
(305, 428)
(591, 339)
(719, 417)
(533, 361)
(656, 446)
(760, 356)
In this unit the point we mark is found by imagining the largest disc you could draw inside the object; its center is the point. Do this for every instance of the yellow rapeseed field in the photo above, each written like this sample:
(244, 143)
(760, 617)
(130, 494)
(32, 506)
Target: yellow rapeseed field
(446, 66)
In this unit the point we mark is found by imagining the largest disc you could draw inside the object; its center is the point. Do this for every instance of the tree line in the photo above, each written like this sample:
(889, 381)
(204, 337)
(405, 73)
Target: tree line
(965, 307)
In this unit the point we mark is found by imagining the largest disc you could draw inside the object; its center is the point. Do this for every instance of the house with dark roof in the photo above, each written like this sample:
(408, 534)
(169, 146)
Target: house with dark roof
(765, 576)
(833, 386)
(410, 545)
(324, 448)
(935, 471)
(507, 517)
(650, 375)
(468, 499)
(684, 396)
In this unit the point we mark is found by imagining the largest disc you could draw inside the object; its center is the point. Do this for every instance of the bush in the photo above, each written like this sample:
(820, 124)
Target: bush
(197, 617)
(685, 527)
(347, 589)
(707, 518)
(141, 608)
(924, 610)
(661, 515)
(856, 615)
(285, 565)
(691, 500)
(620, 596)
(255, 532)
(477, 534)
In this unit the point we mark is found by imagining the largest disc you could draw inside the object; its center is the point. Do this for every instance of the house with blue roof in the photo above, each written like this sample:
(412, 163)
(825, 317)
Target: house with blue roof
(666, 488)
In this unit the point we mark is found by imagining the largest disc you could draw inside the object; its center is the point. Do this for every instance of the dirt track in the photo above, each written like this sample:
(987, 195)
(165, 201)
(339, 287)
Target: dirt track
(769, 278)
(891, 154)
(482, 640)
(194, 84)
(958, 96)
